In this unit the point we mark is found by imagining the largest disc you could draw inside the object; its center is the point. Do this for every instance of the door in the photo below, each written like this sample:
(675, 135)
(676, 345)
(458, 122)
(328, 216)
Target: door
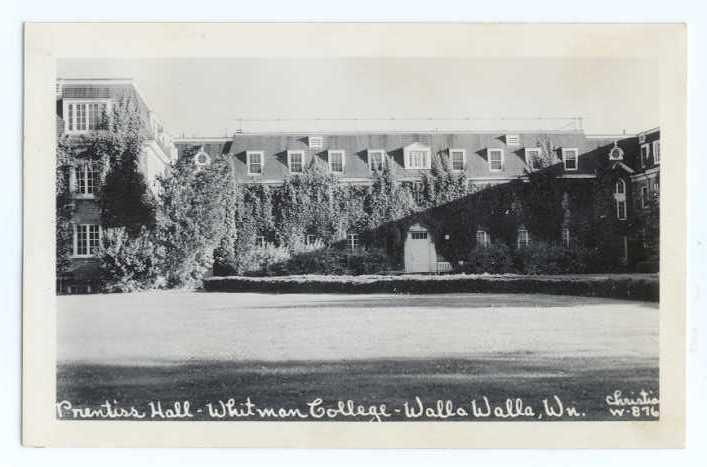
(418, 251)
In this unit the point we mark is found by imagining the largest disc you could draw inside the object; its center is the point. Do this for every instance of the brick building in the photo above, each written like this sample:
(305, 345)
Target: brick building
(611, 179)
(81, 107)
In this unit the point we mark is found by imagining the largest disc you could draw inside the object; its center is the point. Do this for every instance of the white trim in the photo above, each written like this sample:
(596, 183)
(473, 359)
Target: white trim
(76, 240)
(417, 147)
(451, 159)
(201, 152)
(384, 158)
(343, 160)
(289, 160)
(656, 154)
(512, 139)
(498, 150)
(248, 155)
(73, 122)
(311, 142)
(565, 153)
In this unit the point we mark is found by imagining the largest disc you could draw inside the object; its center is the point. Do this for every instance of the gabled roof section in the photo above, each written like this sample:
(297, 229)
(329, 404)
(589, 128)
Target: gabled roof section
(624, 167)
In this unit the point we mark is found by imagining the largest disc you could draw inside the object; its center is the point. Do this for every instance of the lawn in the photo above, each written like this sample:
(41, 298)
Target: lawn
(287, 350)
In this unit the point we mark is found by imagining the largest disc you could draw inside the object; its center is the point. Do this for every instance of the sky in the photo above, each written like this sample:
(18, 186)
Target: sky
(215, 97)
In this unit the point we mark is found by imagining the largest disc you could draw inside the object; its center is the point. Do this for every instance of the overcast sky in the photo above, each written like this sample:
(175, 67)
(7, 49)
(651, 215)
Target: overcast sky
(214, 97)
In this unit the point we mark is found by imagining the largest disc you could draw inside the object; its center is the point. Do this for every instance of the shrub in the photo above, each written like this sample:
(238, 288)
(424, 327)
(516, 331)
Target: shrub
(129, 263)
(548, 258)
(493, 259)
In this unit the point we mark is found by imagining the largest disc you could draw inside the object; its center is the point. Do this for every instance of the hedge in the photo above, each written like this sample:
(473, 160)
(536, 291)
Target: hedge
(623, 286)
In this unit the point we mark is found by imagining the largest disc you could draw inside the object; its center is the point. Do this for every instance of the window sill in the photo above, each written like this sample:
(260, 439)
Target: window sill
(83, 196)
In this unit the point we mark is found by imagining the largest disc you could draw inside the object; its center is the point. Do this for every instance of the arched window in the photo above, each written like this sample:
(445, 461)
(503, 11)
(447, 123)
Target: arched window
(621, 187)
(202, 158)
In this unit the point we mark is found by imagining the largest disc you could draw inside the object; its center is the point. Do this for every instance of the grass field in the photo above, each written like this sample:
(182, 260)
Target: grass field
(286, 350)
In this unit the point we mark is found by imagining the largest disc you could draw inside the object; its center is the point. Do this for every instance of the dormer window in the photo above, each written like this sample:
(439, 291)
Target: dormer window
(316, 142)
(616, 153)
(512, 140)
(495, 156)
(570, 159)
(336, 161)
(376, 160)
(457, 160)
(255, 162)
(84, 116)
(418, 156)
(533, 158)
(295, 161)
(202, 159)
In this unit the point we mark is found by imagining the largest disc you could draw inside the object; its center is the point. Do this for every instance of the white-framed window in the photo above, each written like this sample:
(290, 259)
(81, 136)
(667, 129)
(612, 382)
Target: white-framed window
(310, 239)
(418, 157)
(565, 237)
(337, 159)
(202, 159)
(376, 160)
(570, 158)
(260, 241)
(534, 158)
(87, 240)
(620, 198)
(512, 140)
(495, 159)
(482, 238)
(616, 153)
(85, 178)
(645, 195)
(352, 241)
(641, 138)
(645, 155)
(295, 161)
(84, 116)
(316, 142)
(255, 162)
(656, 151)
(457, 160)
(523, 238)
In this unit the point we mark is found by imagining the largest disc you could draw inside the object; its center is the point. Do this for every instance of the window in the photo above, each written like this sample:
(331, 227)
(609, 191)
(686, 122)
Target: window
(620, 198)
(202, 158)
(336, 161)
(616, 153)
(570, 159)
(565, 236)
(352, 241)
(645, 154)
(376, 160)
(295, 161)
(316, 142)
(418, 159)
(656, 152)
(418, 192)
(255, 162)
(310, 239)
(417, 235)
(512, 140)
(644, 196)
(457, 159)
(482, 238)
(523, 238)
(85, 116)
(87, 240)
(533, 158)
(260, 241)
(495, 159)
(86, 178)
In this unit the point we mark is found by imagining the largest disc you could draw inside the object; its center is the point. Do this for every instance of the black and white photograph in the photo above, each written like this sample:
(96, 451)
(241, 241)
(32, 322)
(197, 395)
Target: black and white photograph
(361, 239)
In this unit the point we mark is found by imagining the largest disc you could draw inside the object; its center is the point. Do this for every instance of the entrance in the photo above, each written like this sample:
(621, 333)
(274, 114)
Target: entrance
(420, 254)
